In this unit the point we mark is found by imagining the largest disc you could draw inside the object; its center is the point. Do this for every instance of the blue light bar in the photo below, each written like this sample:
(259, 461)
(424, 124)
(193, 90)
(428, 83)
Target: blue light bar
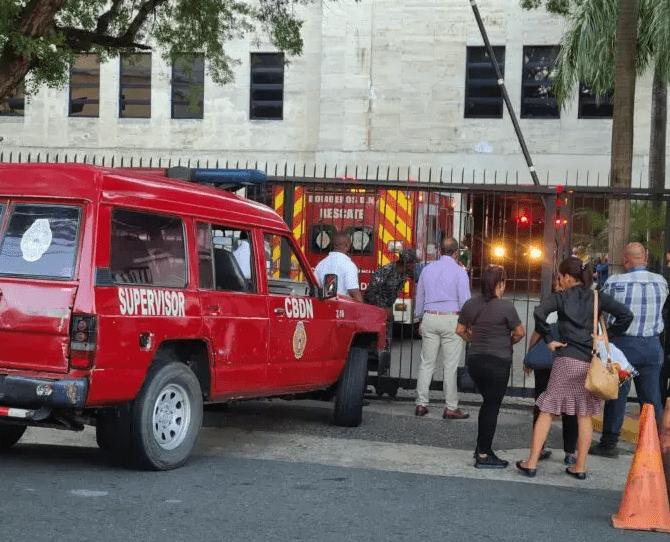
(229, 176)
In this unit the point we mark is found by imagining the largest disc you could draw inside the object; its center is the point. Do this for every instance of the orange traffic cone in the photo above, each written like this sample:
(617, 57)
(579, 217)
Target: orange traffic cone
(644, 506)
(664, 438)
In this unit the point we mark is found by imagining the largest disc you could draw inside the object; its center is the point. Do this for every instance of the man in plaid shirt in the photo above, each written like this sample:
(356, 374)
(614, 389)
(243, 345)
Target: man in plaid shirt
(644, 293)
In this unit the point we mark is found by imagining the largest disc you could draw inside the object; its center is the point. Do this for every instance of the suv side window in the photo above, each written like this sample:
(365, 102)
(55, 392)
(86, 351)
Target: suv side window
(225, 259)
(147, 249)
(285, 273)
(41, 241)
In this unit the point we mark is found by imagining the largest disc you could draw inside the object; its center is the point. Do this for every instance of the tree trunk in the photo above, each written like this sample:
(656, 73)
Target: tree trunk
(622, 128)
(37, 20)
(659, 124)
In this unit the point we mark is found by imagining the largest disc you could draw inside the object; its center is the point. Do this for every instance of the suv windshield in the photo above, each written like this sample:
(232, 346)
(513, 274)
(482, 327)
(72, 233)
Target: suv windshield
(40, 241)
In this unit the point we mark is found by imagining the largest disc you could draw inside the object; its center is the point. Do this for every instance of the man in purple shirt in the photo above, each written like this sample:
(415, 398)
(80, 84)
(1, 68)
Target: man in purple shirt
(442, 290)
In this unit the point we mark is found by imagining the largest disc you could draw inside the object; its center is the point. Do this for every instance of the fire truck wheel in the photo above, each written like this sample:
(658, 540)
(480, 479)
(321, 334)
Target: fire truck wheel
(167, 416)
(350, 389)
(10, 434)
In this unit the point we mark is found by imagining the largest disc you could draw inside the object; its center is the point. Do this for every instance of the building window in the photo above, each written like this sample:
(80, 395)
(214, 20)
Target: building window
(537, 101)
(595, 107)
(188, 87)
(267, 86)
(483, 97)
(135, 87)
(14, 105)
(85, 86)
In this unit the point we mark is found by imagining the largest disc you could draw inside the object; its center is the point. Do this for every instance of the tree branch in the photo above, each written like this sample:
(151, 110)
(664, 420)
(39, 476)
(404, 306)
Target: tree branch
(143, 13)
(82, 40)
(106, 18)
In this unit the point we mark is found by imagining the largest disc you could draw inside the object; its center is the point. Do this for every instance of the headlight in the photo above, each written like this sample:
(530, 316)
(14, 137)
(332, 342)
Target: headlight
(535, 253)
(499, 251)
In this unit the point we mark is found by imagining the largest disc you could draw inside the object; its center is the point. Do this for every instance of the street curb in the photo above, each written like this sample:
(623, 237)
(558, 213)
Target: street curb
(629, 429)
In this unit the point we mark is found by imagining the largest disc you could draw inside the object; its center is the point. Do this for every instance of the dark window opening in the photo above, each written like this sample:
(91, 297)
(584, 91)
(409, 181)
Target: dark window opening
(15, 104)
(85, 86)
(135, 85)
(267, 86)
(537, 100)
(592, 106)
(188, 87)
(483, 97)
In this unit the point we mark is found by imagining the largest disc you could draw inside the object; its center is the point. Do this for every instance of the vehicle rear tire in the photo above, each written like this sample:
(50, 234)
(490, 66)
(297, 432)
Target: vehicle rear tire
(10, 434)
(167, 416)
(350, 389)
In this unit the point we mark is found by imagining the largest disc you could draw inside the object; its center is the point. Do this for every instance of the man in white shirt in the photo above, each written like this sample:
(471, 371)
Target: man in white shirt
(243, 255)
(338, 263)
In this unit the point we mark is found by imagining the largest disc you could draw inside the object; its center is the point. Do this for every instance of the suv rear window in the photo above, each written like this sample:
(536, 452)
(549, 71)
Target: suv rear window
(40, 241)
(147, 249)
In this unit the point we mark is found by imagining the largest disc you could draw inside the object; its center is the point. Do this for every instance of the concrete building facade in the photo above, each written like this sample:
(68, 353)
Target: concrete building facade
(380, 83)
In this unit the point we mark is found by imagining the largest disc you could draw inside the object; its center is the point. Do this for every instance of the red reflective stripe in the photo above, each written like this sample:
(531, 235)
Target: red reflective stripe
(4, 411)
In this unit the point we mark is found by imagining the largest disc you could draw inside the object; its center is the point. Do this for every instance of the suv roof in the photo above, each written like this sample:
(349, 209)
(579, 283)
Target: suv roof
(88, 181)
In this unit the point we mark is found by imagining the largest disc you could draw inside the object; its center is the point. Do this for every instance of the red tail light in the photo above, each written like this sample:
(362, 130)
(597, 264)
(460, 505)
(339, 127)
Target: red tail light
(83, 338)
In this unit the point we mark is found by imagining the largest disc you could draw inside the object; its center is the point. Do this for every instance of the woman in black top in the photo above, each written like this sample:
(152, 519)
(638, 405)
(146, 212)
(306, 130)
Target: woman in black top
(491, 325)
(566, 393)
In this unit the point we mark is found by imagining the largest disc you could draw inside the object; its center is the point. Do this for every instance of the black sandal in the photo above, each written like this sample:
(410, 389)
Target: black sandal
(526, 470)
(578, 475)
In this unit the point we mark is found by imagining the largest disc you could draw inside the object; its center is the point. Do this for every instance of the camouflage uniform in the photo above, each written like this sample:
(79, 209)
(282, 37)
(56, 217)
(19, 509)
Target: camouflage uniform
(384, 288)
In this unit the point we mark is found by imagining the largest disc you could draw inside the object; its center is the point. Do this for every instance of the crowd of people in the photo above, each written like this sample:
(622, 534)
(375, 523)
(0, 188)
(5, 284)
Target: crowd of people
(483, 329)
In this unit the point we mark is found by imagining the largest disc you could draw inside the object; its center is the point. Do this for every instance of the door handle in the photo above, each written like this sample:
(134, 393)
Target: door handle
(279, 310)
(213, 308)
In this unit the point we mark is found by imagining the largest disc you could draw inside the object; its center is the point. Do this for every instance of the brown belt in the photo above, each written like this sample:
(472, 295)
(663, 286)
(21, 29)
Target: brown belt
(443, 313)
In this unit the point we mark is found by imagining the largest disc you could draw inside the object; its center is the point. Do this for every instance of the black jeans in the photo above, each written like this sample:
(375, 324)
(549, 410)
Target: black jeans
(569, 422)
(491, 375)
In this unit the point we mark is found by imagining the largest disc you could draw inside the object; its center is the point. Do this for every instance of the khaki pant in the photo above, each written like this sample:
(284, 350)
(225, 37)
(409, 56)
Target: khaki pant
(437, 331)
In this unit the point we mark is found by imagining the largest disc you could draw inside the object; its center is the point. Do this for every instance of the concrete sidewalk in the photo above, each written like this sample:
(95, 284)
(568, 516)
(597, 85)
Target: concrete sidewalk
(629, 430)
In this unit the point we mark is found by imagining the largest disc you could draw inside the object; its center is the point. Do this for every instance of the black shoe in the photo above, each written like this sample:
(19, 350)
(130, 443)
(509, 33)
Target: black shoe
(544, 454)
(569, 459)
(604, 451)
(528, 472)
(578, 475)
(490, 461)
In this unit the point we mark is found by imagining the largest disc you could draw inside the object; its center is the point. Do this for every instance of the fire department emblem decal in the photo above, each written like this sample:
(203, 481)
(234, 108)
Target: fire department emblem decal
(299, 340)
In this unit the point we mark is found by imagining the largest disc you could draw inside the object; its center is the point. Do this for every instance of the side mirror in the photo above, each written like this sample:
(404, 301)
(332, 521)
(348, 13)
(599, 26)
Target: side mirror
(329, 288)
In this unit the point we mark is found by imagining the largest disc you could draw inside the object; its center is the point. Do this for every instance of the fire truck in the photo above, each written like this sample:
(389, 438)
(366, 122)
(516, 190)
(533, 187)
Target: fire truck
(380, 222)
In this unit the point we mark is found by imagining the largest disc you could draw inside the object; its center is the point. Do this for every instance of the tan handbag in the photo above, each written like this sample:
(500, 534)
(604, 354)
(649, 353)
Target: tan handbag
(602, 379)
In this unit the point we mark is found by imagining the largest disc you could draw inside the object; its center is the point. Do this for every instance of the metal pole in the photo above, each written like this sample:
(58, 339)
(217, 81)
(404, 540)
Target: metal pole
(501, 84)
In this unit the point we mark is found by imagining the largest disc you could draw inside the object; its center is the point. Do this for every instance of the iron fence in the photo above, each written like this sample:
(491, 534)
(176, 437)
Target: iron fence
(526, 228)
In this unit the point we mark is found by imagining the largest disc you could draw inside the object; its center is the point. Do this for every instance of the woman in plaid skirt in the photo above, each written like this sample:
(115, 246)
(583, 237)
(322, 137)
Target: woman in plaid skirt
(566, 393)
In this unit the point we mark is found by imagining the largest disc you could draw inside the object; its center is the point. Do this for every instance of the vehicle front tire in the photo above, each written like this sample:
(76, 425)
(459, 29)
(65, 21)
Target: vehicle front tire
(167, 416)
(350, 389)
(10, 434)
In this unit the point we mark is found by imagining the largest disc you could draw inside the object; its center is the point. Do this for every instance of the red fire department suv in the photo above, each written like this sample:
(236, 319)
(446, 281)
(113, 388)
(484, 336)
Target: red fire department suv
(127, 299)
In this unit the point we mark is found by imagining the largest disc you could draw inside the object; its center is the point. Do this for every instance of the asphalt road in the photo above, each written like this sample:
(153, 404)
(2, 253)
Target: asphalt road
(277, 470)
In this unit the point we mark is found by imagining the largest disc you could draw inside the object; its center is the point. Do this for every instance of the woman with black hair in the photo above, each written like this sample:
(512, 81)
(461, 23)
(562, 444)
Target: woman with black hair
(566, 393)
(491, 325)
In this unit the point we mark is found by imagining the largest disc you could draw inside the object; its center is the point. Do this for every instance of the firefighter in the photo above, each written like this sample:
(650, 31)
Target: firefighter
(384, 288)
